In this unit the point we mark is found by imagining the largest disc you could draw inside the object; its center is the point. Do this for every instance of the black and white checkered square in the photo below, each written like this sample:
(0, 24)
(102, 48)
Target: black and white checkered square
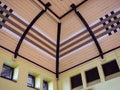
(110, 22)
(5, 12)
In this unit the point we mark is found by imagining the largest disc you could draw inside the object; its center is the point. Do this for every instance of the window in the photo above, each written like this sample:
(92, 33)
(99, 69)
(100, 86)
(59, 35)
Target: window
(92, 75)
(31, 81)
(45, 85)
(110, 68)
(7, 72)
(76, 81)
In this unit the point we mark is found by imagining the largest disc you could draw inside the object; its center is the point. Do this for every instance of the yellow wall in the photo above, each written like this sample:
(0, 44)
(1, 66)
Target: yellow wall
(23, 68)
(112, 84)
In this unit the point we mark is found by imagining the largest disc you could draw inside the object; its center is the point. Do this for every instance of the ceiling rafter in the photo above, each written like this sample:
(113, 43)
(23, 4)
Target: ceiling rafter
(29, 27)
(58, 49)
(60, 17)
(89, 30)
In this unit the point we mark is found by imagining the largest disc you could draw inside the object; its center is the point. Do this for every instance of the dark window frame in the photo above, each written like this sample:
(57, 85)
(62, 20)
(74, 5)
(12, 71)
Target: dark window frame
(7, 67)
(75, 83)
(95, 75)
(33, 81)
(45, 83)
(111, 68)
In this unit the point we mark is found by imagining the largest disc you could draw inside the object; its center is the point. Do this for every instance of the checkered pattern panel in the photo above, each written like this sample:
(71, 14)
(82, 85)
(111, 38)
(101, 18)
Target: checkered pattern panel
(111, 22)
(5, 12)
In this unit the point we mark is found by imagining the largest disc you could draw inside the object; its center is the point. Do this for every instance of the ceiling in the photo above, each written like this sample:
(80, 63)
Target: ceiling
(60, 7)
(76, 43)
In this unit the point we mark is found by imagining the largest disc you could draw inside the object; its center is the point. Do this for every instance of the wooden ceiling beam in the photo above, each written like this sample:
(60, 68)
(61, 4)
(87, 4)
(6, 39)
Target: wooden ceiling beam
(72, 9)
(89, 30)
(49, 11)
(58, 49)
(53, 14)
(29, 27)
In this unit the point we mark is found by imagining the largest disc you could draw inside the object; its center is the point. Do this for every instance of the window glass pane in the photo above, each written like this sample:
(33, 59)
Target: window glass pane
(45, 85)
(92, 75)
(76, 81)
(7, 72)
(31, 81)
(110, 68)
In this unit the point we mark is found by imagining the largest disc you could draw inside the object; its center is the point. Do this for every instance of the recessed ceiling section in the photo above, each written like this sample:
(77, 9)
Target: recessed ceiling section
(60, 7)
(24, 8)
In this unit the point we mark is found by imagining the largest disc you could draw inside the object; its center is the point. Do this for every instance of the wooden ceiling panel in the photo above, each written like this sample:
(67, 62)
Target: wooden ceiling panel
(8, 40)
(92, 10)
(47, 25)
(37, 56)
(28, 10)
(74, 46)
(60, 7)
(70, 25)
(78, 57)
(43, 35)
(40, 39)
(40, 44)
(107, 43)
(110, 42)
(27, 51)
(25, 8)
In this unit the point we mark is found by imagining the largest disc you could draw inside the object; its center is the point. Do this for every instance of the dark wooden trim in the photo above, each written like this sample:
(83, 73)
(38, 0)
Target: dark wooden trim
(27, 59)
(60, 17)
(33, 30)
(81, 39)
(72, 9)
(89, 30)
(80, 45)
(23, 23)
(89, 60)
(83, 32)
(97, 24)
(57, 50)
(28, 28)
(31, 35)
(29, 40)
(49, 9)
(75, 42)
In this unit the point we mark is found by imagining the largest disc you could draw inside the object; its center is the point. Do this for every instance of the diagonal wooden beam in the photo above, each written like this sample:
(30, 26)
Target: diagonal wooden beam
(89, 30)
(29, 27)
(65, 14)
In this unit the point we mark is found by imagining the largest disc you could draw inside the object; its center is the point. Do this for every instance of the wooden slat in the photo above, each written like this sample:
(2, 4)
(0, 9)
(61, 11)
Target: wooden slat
(78, 57)
(106, 43)
(47, 25)
(24, 8)
(61, 6)
(92, 11)
(27, 51)
(28, 10)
